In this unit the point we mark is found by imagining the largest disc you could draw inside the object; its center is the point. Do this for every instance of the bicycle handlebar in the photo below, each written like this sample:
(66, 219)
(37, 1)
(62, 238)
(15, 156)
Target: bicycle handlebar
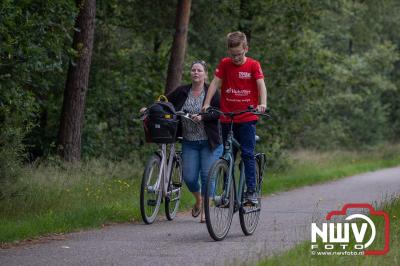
(209, 110)
(236, 113)
(186, 115)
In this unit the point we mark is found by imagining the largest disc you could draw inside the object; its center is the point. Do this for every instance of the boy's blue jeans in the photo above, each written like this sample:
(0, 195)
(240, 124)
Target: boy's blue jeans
(197, 159)
(245, 134)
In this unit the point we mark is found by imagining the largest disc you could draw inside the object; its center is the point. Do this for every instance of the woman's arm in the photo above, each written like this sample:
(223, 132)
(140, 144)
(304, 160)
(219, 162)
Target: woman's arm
(173, 96)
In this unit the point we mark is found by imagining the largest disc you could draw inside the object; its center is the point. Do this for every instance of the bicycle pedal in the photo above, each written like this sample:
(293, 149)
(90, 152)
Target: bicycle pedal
(221, 202)
(177, 184)
(224, 206)
(250, 204)
(151, 202)
(247, 211)
(150, 189)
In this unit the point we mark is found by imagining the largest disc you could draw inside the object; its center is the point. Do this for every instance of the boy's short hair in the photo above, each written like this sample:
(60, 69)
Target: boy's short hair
(236, 38)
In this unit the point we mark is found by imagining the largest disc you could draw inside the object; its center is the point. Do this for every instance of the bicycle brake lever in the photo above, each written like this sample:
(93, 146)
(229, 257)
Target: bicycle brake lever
(187, 116)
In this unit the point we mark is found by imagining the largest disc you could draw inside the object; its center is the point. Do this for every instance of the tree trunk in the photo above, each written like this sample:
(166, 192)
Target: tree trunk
(350, 47)
(246, 18)
(71, 121)
(175, 66)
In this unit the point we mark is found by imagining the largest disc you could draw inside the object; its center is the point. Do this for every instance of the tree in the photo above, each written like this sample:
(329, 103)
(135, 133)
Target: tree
(246, 18)
(69, 136)
(175, 66)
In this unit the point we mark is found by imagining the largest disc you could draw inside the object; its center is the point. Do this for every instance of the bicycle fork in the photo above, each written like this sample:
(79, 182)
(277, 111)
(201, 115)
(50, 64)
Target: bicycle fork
(164, 167)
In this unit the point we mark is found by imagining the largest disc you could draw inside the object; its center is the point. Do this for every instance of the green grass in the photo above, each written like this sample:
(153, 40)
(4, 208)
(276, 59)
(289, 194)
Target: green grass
(300, 255)
(55, 198)
(59, 198)
(311, 167)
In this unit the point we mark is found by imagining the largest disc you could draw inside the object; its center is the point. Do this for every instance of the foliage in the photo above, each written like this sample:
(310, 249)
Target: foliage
(332, 70)
(32, 57)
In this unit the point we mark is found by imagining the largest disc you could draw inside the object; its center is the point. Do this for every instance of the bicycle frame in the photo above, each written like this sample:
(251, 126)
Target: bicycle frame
(228, 155)
(165, 168)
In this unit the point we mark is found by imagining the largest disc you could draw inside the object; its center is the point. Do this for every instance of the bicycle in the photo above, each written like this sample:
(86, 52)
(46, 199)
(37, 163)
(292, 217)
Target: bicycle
(224, 197)
(162, 179)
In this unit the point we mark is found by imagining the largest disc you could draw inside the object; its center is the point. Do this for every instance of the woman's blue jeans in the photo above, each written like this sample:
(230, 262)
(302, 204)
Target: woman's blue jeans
(197, 158)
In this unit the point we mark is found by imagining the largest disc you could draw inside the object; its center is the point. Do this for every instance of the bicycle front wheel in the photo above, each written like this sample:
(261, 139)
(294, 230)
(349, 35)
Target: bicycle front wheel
(249, 215)
(219, 200)
(150, 194)
(174, 190)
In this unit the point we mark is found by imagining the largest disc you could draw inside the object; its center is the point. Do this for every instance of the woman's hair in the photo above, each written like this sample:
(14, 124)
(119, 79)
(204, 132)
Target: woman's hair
(236, 38)
(201, 62)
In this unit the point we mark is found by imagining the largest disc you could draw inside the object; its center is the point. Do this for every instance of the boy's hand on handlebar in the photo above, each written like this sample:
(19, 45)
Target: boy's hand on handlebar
(205, 107)
(142, 110)
(261, 108)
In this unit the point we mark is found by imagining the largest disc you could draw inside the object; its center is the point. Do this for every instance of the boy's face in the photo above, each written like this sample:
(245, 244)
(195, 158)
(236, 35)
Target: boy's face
(238, 54)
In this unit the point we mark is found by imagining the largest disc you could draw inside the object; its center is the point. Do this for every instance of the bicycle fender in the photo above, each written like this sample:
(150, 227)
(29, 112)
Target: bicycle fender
(158, 153)
(262, 159)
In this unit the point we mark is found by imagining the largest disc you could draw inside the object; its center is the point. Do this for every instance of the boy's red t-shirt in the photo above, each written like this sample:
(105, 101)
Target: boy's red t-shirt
(239, 87)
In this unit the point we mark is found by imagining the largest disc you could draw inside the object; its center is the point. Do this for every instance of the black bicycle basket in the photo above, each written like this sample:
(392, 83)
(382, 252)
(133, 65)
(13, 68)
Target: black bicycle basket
(161, 123)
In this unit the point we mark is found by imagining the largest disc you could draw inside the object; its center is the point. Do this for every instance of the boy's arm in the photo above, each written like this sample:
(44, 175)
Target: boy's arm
(215, 84)
(215, 102)
(262, 92)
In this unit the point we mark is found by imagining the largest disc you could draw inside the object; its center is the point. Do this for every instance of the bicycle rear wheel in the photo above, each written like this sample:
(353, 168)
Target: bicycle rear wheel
(219, 201)
(249, 215)
(150, 196)
(174, 190)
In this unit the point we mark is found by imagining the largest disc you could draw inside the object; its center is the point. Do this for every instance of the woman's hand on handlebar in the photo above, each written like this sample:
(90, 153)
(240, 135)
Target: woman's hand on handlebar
(196, 117)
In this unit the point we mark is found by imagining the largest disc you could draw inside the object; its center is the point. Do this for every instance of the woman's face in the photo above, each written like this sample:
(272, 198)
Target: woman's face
(197, 73)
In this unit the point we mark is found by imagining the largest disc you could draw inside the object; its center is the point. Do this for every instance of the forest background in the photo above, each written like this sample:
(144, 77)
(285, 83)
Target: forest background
(332, 71)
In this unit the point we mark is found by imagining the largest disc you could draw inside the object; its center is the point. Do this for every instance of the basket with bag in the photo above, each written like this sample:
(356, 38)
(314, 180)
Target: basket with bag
(161, 123)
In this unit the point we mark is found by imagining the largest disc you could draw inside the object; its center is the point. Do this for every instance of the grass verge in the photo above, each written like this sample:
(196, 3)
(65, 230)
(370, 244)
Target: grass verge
(311, 167)
(57, 198)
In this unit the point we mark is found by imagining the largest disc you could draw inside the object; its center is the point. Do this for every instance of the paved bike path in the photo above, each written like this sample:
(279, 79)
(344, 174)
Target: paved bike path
(285, 220)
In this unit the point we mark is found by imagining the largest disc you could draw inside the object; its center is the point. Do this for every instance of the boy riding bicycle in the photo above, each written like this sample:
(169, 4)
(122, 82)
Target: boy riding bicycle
(241, 81)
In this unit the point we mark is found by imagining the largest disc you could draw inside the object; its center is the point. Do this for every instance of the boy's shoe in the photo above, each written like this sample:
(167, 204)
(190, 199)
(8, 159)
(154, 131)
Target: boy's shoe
(250, 198)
